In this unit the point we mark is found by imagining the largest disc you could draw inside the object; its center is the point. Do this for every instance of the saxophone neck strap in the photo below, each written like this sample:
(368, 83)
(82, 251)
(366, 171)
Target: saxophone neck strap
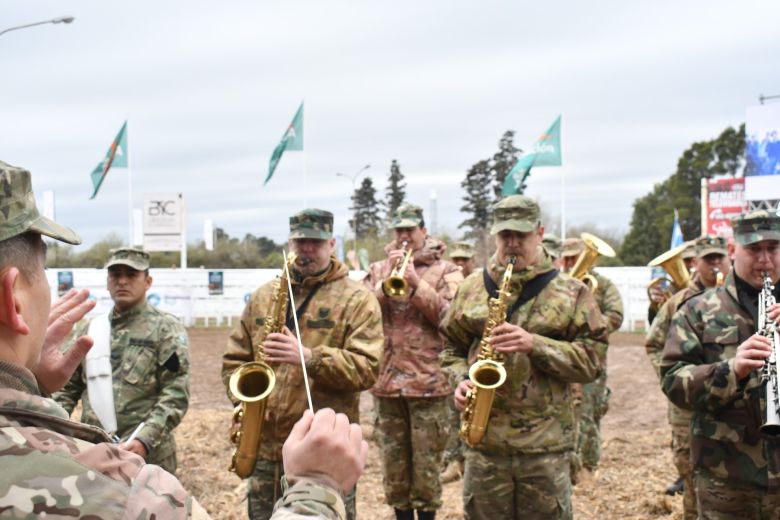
(529, 291)
(289, 322)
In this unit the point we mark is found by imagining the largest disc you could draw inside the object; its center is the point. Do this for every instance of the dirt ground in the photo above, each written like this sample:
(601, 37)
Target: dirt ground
(635, 466)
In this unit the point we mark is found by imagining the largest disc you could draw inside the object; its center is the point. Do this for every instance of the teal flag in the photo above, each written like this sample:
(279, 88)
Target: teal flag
(116, 157)
(545, 152)
(291, 140)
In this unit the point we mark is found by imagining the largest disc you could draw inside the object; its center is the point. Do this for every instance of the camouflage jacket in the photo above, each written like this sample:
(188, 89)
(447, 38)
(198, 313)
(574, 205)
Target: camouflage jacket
(308, 498)
(697, 368)
(410, 363)
(532, 411)
(656, 338)
(150, 364)
(56, 467)
(609, 302)
(342, 326)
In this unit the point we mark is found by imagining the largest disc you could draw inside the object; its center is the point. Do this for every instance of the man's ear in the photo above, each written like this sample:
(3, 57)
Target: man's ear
(10, 310)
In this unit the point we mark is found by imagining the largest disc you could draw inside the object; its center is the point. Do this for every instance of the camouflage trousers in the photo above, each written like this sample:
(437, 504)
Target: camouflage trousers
(454, 449)
(681, 450)
(510, 487)
(594, 406)
(720, 499)
(165, 455)
(265, 488)
(167, 463)
(412, 434)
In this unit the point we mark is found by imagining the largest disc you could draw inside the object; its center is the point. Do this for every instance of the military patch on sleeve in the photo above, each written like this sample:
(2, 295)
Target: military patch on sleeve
(322, 321)
(260, 321)
(148, 343)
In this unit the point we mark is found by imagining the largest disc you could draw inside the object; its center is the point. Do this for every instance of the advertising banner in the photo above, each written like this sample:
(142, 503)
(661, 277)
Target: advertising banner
(725, 199)
(216, 283)
(163, 215)
(64, 282)
(762, 152)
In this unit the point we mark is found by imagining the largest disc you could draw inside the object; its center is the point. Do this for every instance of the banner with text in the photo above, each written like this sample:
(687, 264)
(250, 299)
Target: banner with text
(163, 221)
(725, 199)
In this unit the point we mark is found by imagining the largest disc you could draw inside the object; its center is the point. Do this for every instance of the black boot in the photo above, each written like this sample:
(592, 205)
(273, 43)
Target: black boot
(676, 487)
(404, 514)
(426, 515)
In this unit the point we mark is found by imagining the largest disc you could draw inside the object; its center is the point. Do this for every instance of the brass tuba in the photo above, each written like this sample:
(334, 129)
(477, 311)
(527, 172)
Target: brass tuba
(594, 247)
(488, 372)
(395, 286)
(252, 383)
(673, 264)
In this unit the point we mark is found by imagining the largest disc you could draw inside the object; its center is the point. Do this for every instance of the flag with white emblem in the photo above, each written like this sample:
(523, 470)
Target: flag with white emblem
(291, 140)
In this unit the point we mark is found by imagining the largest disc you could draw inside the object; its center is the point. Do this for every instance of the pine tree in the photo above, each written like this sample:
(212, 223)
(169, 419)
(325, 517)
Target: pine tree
(503, 161)
(478, 200)
(365, 219)
(395, 193)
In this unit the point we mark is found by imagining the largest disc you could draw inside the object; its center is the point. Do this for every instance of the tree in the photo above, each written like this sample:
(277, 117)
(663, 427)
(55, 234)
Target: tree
(395, 193)
(503, 161)
(365, 209)
(478, 200)
(651, 224)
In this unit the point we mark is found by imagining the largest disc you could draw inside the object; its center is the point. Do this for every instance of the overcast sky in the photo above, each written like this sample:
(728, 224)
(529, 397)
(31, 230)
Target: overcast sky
(209, 88)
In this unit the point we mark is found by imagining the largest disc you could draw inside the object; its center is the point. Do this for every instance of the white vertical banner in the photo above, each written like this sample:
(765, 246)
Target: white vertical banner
(138, 227)
(208, 234)
(48, 204)
(762, 152)
(163, 221)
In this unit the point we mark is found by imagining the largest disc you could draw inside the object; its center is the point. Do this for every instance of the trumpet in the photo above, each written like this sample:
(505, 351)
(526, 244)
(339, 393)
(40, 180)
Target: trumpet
(673, 264)
(718, 276)
(395, 286)
(594, 247)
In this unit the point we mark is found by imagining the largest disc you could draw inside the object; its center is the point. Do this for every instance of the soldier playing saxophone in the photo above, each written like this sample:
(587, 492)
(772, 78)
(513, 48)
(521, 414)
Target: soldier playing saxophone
(553, 337)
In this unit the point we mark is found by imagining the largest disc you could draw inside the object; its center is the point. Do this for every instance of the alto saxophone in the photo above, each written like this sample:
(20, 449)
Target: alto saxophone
(488, 372)
(769, 372)
(252, 383)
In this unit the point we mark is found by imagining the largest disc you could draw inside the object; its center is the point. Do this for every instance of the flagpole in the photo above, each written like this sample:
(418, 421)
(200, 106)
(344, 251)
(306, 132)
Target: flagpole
(563, 204)
(129, 190)
(305, 162)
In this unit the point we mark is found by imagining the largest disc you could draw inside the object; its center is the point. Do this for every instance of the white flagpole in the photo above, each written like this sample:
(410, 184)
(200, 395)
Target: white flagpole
(129, 189)
(305, 162)
(563, 204)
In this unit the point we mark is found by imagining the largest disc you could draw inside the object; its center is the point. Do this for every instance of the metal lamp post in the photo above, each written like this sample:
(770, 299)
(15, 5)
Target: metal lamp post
(61, 19)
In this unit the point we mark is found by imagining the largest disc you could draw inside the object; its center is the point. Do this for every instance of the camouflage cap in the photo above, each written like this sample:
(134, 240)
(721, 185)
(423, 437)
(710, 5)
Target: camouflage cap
(515, 213)
(573, 247)
(18, 213)
(552, 244)
(311, 223)
(709, 244)
(462, 250)
(138, 259)
(407, 215)
(755, 226)
(690, 250)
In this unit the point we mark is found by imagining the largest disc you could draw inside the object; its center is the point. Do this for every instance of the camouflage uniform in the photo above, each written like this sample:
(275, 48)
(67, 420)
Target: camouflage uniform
(738, 470)
(343, 327)
(411, 391)
(150, 365)
(652, 310)
(552, 244)
(594, 397)
(521, 467)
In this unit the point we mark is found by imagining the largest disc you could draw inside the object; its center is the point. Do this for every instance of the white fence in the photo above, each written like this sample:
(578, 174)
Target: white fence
(185, 292)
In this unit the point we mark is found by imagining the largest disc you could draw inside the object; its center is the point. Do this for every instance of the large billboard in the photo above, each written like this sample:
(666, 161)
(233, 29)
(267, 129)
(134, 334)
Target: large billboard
(762, 152)
(725, 198)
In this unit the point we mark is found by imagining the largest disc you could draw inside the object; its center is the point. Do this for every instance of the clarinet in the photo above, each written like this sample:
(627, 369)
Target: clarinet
(768, 328)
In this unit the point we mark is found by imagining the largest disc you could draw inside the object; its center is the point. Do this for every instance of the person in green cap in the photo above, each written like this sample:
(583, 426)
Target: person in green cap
(712, 258)
(553, 245)
(712, 363)
(462, 255)
(341, 333)
(142, 353)
(553, 336)
(412, 392)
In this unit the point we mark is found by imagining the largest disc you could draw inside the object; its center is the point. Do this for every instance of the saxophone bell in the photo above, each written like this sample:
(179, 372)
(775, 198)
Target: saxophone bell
(251, 384)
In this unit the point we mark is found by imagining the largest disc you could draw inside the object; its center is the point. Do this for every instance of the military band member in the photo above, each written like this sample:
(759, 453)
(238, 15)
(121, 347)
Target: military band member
(149, 364)
(341, 331)
(554, 246)
(656, 294)
(711, 258)
(595, 395)
(710, 365)
(411, 393)
(520, 469)
(462, 255)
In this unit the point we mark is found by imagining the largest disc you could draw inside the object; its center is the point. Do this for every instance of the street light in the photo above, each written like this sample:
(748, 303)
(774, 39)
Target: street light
(61, 19)
(353, 178)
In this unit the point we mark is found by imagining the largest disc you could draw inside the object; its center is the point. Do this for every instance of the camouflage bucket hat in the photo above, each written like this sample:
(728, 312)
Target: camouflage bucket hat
(756, 226)
(407, 215)
(573, 247)
(138, 259)
(515, 213)
(311, 223)
(462, 250)
(552, 244)
(18, 213)
(709, 244)
(690, 250)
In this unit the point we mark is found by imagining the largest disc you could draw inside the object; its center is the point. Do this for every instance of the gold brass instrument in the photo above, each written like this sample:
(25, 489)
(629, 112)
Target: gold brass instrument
(395, 286)
(252, 383)
(718, 276)
(488, 372)
(673, 264)
(594, 247)
(767, 327)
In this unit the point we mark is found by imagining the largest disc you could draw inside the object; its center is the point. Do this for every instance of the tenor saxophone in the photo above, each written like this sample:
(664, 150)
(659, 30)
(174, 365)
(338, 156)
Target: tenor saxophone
(252, 383)
(488, 372)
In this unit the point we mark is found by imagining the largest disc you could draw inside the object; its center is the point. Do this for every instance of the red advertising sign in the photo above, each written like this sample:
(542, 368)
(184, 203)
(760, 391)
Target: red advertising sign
(725, 199)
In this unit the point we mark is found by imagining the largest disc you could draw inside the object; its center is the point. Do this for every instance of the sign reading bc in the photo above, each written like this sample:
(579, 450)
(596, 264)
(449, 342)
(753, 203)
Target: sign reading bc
(162, 208)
